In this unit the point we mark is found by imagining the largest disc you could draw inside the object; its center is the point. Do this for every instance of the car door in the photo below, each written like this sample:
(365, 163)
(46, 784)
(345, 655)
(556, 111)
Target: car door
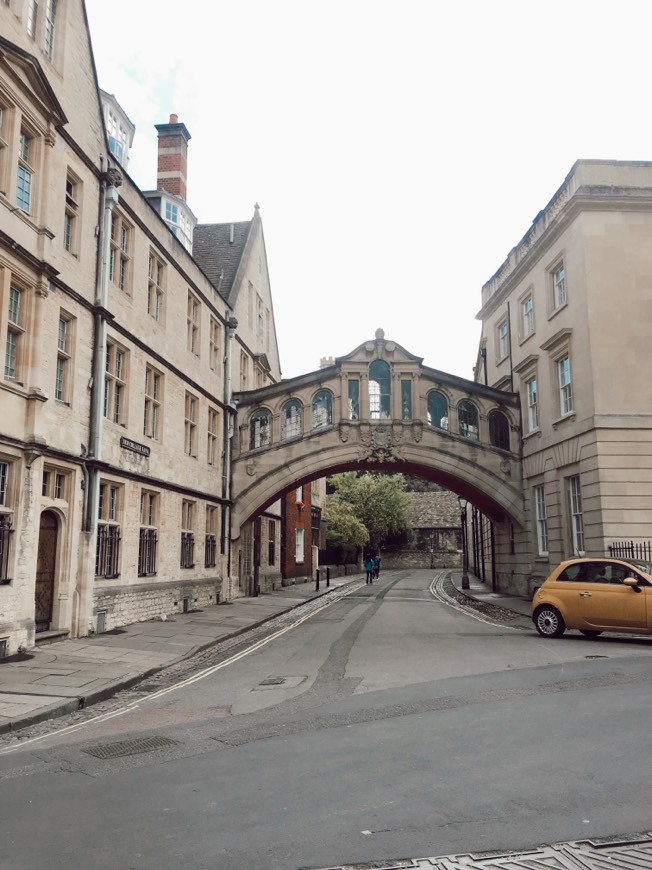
(606, 603)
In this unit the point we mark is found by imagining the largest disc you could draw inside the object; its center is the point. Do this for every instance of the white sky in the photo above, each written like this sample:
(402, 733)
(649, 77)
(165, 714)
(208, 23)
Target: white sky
(398, 150)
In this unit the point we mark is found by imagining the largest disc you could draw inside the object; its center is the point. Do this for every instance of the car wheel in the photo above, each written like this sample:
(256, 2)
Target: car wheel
(587, 633)
(548, 621)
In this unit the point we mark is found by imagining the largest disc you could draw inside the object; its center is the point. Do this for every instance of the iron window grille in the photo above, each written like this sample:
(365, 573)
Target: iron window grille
(210, 550)
(5, 540)
(187, 550)
(107, 552)
(147, 547)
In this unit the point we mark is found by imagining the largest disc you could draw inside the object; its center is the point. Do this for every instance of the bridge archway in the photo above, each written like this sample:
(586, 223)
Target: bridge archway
(378, 409)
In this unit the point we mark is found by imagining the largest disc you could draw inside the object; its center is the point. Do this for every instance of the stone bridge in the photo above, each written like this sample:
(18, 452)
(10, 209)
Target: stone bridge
(378, 409)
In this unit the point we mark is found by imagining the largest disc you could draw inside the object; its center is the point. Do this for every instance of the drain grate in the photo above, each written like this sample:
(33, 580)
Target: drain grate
(130, 747)
(273, 681)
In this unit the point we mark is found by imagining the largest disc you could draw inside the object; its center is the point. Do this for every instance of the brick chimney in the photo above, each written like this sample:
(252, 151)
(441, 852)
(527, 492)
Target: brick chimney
(172, 157)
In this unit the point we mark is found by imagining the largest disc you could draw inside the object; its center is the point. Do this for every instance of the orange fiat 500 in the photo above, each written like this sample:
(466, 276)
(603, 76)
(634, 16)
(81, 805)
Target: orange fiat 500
(594, 595)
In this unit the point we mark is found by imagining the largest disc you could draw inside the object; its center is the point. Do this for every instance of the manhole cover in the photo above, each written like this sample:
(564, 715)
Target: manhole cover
(130, 747)
(273, 681)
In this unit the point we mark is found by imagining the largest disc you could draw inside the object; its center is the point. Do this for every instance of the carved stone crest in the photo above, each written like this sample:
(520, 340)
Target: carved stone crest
(380, 443)
(250, 468)
(344, 432)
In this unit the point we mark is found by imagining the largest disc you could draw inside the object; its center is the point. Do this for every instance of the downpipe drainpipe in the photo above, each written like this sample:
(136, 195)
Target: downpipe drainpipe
(111, 180)
(229, 430)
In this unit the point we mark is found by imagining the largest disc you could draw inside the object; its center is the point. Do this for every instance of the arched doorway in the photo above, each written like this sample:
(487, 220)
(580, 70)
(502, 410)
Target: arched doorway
(45, 570)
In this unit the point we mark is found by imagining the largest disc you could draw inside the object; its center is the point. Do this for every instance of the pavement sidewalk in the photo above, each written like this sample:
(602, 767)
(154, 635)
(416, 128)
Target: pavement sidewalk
(63, 676)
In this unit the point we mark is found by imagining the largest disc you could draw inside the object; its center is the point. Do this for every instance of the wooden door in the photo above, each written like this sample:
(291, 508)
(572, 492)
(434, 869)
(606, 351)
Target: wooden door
(45, 570)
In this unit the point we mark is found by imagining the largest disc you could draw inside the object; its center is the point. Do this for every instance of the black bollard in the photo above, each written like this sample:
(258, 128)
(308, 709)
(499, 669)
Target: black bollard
(328, 577)
(317, 580)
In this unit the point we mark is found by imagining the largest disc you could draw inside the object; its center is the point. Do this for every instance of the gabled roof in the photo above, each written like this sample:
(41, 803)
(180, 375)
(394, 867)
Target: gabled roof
(25, 70)
(218, 249)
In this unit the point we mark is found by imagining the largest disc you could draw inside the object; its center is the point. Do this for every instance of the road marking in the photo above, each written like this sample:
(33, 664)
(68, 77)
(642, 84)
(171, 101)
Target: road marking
(200, 675)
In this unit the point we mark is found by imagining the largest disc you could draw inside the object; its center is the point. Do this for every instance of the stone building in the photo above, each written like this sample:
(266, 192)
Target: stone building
(565, 323)
(122, 343)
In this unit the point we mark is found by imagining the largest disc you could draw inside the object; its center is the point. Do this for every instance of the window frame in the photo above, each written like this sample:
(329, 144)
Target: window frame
(62, 383)
(191, 415)
(116, 373)
(109, 527)
(532, 403)
(156, 284)
(541, 519)
(193, 324)
(575, 513)
(153, 402)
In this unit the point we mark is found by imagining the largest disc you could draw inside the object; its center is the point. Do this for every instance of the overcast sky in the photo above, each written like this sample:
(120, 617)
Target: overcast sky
(398, 150)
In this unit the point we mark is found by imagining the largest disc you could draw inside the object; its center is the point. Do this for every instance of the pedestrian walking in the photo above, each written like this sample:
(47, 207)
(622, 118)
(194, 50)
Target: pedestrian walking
(376, 571)
(369, 568)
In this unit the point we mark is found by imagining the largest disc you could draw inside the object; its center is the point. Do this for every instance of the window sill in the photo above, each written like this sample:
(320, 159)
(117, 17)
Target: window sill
(569, 416)
(535, 433)
(555, 311)
(524, 338)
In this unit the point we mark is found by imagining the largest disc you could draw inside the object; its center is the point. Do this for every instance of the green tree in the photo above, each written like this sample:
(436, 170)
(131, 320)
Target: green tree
(378, 501)
(343, 529)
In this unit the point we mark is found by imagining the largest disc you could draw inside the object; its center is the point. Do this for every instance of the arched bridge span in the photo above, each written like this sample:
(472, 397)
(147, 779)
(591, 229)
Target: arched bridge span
(378, 408)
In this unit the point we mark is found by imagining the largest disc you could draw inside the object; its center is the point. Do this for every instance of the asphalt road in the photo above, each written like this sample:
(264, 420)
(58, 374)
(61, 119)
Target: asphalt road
(384, 725)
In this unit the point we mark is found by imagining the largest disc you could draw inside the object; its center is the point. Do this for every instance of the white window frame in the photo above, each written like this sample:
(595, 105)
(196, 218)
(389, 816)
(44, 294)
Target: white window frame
(299, 546)
(532, 404)
(527, 315)
(558, 278)
(541, 519)
(575, 511)
(565, 385)
(502, 339)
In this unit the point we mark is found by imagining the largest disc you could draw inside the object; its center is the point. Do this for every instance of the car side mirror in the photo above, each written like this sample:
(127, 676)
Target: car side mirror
(632, 582)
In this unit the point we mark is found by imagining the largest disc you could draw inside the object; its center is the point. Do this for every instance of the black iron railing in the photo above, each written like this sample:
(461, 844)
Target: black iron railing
(639, 550)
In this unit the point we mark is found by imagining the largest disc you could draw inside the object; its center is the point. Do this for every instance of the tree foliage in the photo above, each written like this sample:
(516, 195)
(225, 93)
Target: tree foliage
(378, 501)
(344, 529)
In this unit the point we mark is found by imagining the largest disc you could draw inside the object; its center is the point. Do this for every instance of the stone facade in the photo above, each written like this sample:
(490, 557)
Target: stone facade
(121, 349)
(565, 323)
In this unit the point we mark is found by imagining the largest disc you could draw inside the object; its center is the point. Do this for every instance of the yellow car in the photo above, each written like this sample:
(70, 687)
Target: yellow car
(594, 595)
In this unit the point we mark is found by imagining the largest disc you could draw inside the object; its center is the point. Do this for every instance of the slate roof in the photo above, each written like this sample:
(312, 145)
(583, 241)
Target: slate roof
(216, 255)
(431, 510)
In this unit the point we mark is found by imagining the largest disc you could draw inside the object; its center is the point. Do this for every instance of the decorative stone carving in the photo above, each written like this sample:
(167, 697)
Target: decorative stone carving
(344, 432)
(417, 431)
(250, 468)
(380, 443)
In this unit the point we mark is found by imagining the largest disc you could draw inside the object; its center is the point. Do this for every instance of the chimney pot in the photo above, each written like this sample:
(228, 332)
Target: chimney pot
(174, 119)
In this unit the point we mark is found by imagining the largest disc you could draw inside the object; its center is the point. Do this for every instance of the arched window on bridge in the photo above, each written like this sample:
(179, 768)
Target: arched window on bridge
(499, 430)
(437, 410)
(322, 409)
(380, 381)
(290, 420)
(260, 430)
(467, 414)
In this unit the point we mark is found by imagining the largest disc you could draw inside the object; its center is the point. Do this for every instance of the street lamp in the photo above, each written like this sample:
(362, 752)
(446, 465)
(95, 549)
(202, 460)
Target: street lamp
(465, 551)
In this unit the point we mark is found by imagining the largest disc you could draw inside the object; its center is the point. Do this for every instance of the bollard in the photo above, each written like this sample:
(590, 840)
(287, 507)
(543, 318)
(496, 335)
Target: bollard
(328, 577)
(317, 580)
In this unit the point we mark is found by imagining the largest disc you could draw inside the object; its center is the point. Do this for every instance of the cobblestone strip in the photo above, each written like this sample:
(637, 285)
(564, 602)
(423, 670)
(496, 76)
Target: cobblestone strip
(629, 852)
(442, 587)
